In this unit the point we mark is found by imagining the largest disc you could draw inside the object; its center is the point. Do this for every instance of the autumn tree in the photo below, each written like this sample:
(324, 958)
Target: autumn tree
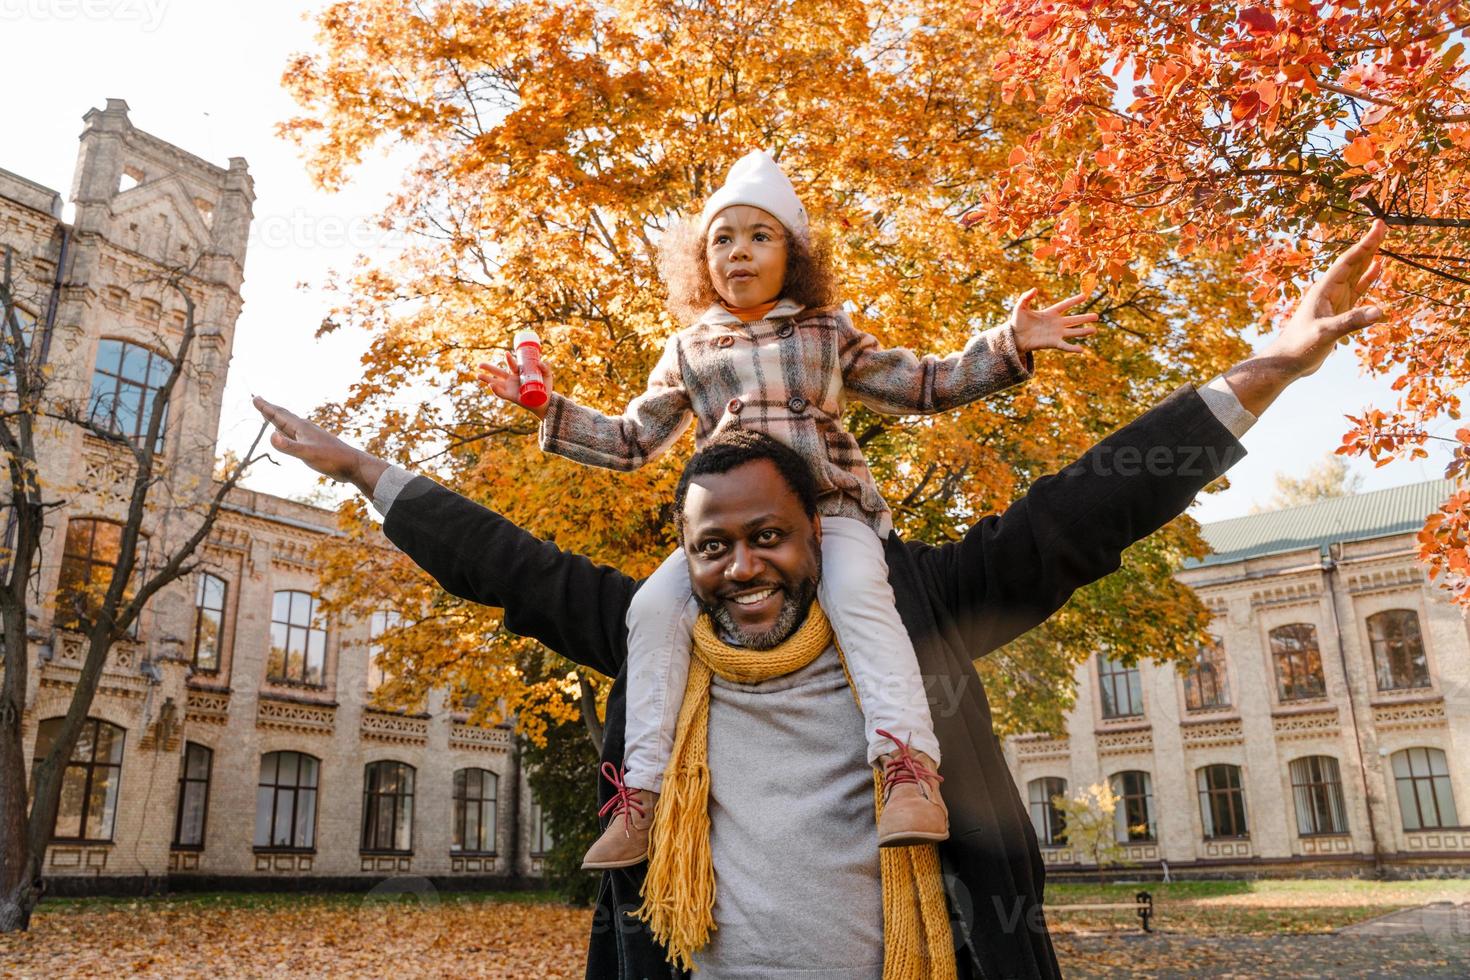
(1090, 816)
(553, 144)
(166, 516)
(1278, 130)
(1327, 478)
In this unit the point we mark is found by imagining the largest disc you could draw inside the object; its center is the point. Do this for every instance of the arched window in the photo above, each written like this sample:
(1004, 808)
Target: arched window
(1049, 821)
(474, 811)
(209, 622)
(1426, 799)
(1221, 801)
(1316, 785)
(125, 384)
(387, 807)
(1122, 695)
(1398, 650)
(1135, 814)
(285, 801)
(1205, 686)
(1298, 662)
(92, 781)
(298, 645)
(193, 795)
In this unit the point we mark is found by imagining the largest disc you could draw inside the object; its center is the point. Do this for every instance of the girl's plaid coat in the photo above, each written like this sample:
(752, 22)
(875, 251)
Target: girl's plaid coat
(790, 376)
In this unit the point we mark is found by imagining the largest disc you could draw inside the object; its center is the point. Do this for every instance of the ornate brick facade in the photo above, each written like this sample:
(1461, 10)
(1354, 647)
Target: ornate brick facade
(142, 205)
(1356, 820)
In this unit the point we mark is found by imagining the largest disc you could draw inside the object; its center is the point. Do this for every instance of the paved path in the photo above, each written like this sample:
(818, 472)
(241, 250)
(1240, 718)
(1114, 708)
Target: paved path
(1428, 943)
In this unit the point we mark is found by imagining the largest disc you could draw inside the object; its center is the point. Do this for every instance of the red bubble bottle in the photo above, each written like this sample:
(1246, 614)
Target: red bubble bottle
(528, 364)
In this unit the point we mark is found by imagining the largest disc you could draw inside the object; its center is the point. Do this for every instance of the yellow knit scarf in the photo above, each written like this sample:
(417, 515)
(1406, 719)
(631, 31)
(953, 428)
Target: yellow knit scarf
(679, 890)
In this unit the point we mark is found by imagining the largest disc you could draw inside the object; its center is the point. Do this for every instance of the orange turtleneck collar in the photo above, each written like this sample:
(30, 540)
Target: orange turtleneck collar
(749, 314)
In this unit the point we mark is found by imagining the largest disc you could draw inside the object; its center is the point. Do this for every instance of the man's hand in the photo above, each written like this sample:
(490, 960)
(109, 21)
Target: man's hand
(506, 383)
(1036, 329)
(1327, 313)
(319, 449)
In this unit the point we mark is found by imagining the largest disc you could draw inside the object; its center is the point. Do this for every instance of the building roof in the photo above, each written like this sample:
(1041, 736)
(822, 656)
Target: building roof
(1357, 517)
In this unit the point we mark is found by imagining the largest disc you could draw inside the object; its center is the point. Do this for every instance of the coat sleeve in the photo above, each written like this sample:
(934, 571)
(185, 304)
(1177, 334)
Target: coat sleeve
(1011, 571)
(896, 381)
(652, 422)
(566, 601)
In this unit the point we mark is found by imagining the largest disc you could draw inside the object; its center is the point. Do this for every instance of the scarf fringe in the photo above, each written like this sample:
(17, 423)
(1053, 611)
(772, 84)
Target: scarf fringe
(679, 889)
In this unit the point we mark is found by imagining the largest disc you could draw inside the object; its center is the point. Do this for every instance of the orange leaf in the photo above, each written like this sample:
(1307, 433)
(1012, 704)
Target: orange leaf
(1258, 20)
(1359, 151)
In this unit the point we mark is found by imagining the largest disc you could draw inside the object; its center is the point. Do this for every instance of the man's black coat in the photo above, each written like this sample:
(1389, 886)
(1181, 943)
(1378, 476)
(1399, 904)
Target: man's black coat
(959, 601)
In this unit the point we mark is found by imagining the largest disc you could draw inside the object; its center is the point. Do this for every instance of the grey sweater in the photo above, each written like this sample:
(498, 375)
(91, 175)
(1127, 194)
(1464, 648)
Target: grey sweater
(792, 832)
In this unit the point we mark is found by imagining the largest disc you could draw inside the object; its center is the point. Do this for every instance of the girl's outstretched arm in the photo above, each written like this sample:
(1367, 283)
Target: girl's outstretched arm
(897, 381)
(652, 422)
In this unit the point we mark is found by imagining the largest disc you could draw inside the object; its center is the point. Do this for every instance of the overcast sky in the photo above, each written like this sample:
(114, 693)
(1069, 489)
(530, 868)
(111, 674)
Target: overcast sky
(205, 75)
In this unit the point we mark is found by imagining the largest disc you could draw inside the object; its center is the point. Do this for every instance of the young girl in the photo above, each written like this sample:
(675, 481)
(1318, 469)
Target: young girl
(769, 349)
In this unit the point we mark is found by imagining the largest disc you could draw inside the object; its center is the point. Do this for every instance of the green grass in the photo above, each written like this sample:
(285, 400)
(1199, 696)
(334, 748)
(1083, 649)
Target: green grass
(1263, 907)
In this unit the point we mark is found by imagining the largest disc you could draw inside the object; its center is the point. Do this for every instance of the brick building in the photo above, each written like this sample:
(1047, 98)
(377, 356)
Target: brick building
(1326, 731)
(232, 741)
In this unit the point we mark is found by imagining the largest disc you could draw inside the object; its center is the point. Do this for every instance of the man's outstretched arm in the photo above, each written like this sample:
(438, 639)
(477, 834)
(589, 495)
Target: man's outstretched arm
(1014, 570)
(565, 601)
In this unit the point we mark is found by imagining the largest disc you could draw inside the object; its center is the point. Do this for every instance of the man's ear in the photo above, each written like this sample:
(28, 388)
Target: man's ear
(817, 527)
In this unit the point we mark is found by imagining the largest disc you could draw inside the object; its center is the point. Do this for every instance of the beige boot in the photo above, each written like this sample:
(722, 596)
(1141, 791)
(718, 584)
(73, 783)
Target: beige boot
(913, 810)
(624, 842)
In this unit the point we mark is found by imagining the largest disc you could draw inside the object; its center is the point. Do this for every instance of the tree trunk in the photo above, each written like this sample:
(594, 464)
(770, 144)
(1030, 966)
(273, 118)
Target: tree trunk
(20, 885)
(589, 712)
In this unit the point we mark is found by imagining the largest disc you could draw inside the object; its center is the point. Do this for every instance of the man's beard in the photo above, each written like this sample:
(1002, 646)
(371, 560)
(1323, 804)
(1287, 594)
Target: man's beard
(794, 608)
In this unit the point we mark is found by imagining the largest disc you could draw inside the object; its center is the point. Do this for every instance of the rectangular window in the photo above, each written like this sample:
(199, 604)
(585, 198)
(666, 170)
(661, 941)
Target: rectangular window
(1205, 686)
(474, 811)
(193, 796)
(1221, 801)
(209, 620)
(125, 384)
(1122, 694)
(298, 650)
(381, 622)
(285, 801)
(1316, 787)
(10, 354)
(541, 840)
(1298, 662)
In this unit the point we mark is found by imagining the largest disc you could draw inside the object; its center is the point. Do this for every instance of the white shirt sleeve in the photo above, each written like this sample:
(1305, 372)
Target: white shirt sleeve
(1221, 399)
(390, 485)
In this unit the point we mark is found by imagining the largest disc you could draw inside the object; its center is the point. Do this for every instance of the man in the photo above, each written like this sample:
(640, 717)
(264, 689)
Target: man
(789, 903)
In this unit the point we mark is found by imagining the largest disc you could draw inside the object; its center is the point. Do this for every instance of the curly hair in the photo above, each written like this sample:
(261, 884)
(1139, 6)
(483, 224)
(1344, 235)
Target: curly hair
(810, 279)
(736, 447)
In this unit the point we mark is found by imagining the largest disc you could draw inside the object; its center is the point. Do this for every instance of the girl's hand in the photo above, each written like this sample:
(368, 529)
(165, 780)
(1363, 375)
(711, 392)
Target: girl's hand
(506, 383)
(1037, 329)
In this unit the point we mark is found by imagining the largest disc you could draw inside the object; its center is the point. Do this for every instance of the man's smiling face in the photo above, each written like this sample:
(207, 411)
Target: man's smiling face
(754, 554)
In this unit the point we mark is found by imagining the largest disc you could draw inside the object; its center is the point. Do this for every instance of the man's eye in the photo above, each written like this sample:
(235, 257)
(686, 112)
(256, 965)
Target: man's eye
(711, 547)
(768, 537)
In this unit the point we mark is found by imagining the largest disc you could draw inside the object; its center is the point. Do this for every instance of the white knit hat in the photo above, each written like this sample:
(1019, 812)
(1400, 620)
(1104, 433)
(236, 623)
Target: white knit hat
(757, 180)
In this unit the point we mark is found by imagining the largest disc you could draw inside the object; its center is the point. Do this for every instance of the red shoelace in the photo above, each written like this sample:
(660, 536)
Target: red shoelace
(905, 767)
(624, 798)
